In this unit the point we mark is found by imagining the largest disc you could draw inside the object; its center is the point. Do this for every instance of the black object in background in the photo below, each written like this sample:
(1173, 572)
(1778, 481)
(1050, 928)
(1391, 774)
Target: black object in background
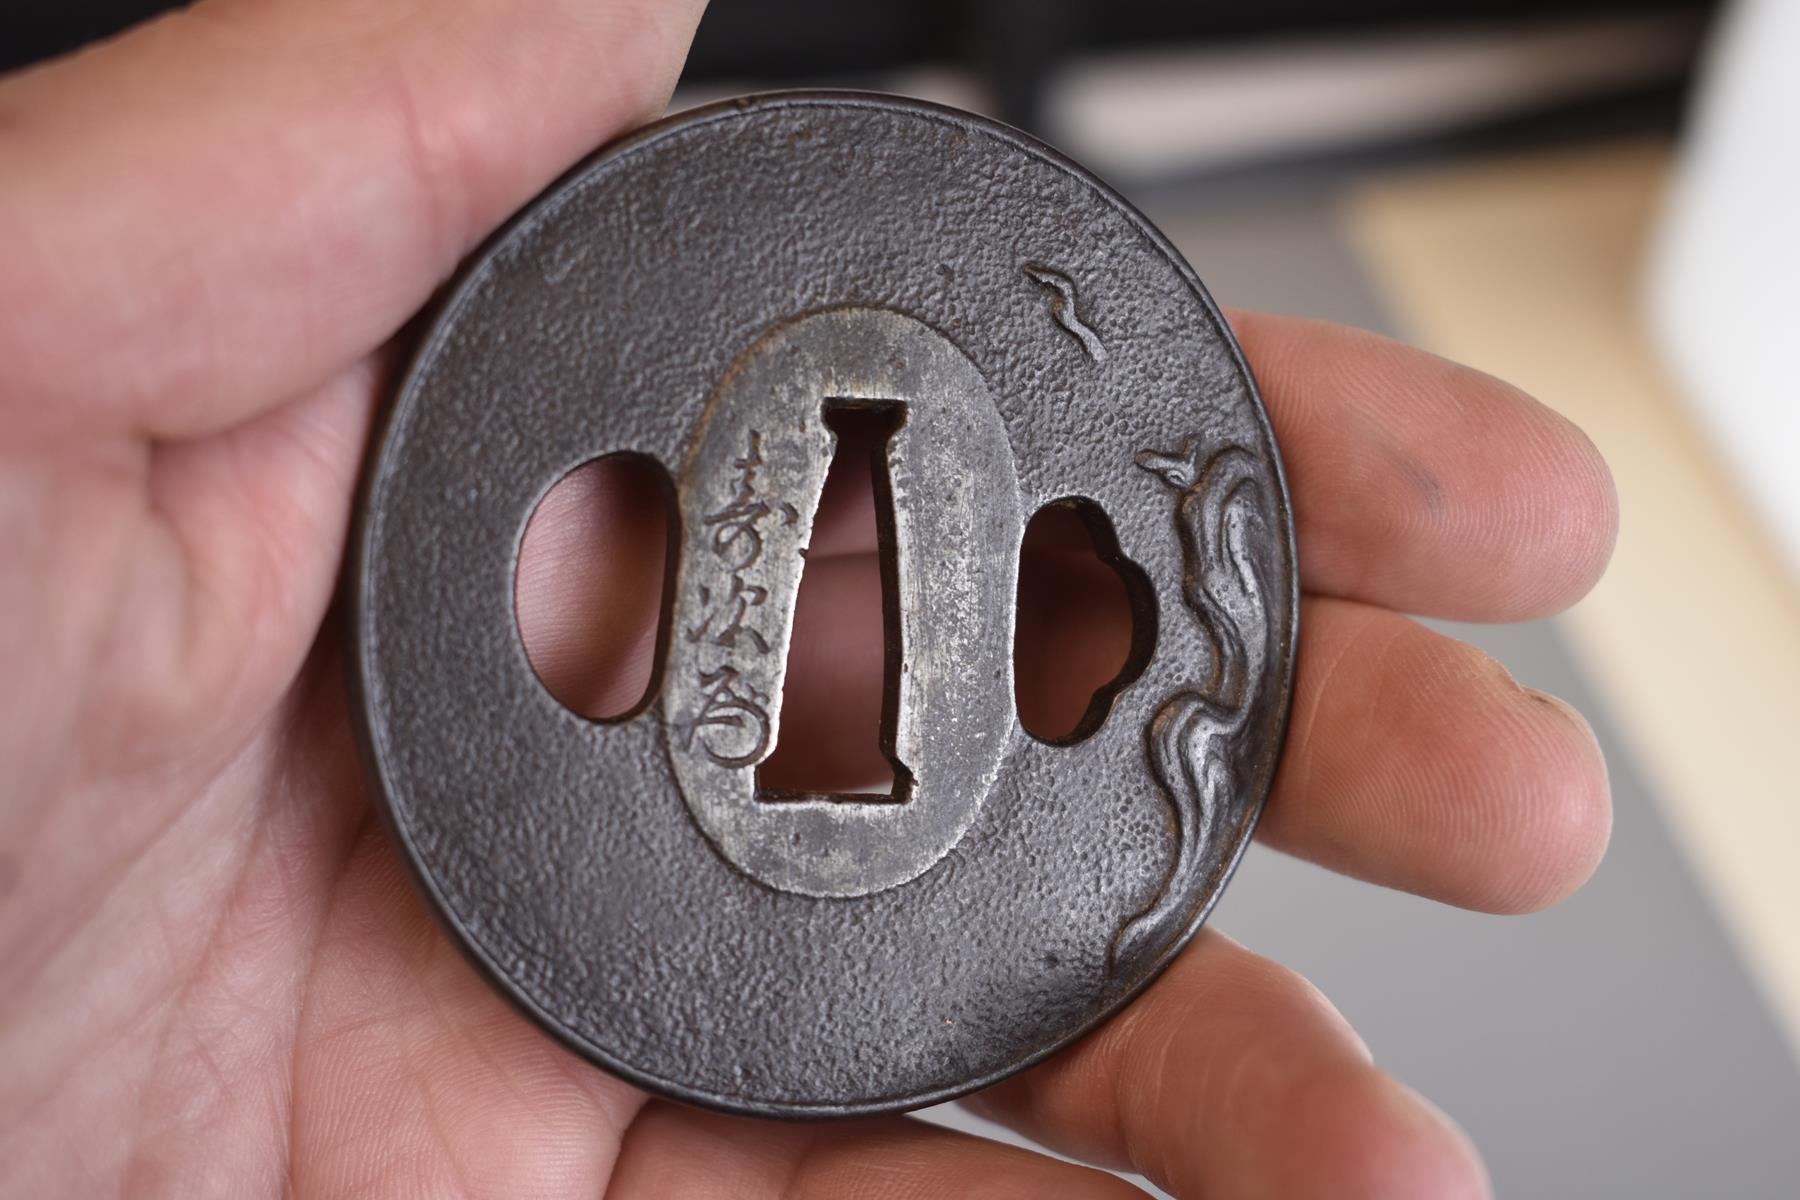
(1013, 43)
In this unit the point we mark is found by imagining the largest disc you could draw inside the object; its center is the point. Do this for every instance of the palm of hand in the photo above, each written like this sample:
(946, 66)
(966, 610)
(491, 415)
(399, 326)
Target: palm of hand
(214, 977)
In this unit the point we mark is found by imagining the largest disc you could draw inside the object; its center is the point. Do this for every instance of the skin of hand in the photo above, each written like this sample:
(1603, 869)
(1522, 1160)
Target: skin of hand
(214, 977)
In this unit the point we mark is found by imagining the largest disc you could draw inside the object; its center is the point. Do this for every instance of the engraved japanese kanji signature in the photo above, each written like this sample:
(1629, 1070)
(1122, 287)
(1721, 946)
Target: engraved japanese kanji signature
(733, 721)
(737, 539)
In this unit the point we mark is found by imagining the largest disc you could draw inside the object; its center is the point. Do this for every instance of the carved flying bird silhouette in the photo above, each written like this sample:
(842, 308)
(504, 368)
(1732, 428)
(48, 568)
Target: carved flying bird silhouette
(1063, 310)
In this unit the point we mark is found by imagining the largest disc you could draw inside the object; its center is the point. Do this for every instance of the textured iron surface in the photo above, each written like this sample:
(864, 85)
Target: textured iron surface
(703, 294)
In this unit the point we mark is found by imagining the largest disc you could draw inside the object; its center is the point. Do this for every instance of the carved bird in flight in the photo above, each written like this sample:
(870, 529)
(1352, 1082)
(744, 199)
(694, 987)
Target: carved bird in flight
(1063, 310)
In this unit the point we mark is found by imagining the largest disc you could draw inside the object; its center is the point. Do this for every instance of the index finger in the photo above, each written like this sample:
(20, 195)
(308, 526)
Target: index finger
(1424, 486)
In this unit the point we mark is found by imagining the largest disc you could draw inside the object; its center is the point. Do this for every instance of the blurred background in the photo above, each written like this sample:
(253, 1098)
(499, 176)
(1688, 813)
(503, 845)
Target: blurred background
(1595, 200)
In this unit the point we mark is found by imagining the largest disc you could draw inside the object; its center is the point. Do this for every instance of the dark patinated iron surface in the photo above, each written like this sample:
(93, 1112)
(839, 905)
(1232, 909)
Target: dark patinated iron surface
(704, 293)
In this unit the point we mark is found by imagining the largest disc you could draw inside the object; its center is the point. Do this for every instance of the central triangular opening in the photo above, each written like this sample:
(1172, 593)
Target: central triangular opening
(841, 695)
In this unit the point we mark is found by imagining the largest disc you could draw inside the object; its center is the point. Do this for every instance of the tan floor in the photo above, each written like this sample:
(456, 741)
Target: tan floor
(1528, 268)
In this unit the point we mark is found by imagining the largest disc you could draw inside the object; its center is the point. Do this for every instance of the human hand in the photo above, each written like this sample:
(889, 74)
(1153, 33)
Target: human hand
(214, 977)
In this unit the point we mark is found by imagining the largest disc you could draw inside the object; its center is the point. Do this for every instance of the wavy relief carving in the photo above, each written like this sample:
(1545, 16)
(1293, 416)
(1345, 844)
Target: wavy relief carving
(1222, 509)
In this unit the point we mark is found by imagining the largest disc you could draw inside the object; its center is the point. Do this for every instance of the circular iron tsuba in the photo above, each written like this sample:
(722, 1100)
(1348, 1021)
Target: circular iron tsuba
(703, 294)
